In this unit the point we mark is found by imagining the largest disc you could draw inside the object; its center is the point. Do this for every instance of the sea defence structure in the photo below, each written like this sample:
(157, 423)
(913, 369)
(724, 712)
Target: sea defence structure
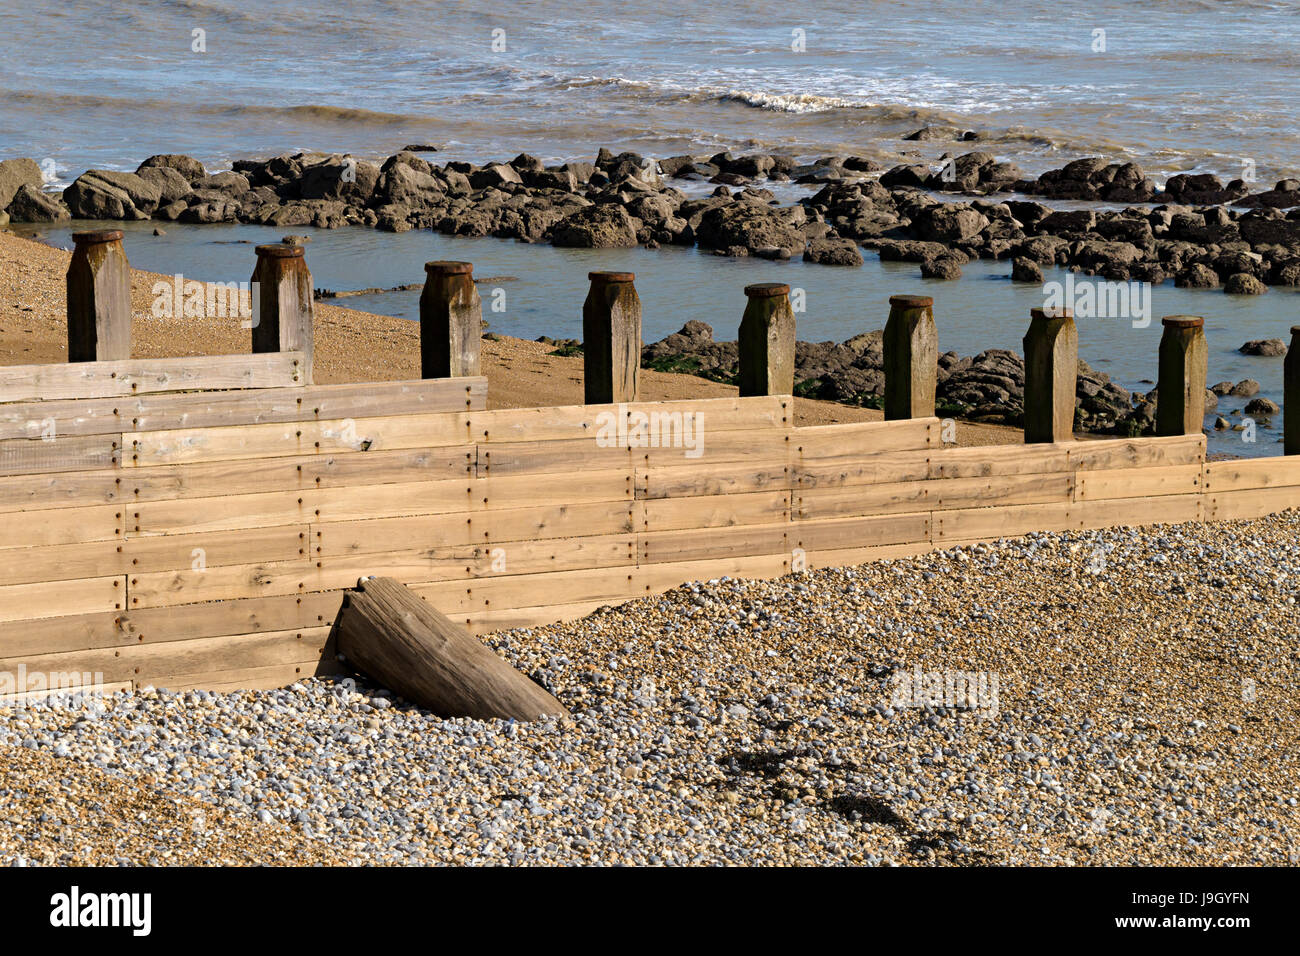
(196, 522)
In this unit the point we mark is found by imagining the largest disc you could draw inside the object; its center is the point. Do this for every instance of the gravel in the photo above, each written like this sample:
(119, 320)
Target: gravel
(1137, 705)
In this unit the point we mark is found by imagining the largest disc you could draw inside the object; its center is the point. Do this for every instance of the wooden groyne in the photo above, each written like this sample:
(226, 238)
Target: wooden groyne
(194, 521)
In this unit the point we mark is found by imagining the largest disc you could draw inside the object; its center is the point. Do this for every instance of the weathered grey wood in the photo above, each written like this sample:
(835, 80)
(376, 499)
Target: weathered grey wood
(911, 347)
(31, 383)
(395, 637)
(34, 456)
(99, 298)
(451, 321)
(1184, 360)
(767, 341)
(1291, 396)
(611, 339)
(284, 318)
(1051, 373)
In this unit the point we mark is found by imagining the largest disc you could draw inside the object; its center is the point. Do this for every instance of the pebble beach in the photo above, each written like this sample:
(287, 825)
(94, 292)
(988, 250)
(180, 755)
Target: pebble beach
(1139, 709)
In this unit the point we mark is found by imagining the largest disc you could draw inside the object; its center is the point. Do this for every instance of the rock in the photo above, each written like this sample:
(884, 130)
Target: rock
(31, 204)
(1266, 347)
(1221, 388)
(748, 226)
(1197, 276)
(1065, 221)
(1026, 270)
(834, 252)
(1243, 283)
(14, 175)
(1221, 424)
(171, 184)
(408, 184)
(340, 178)
(927, 134)
(948, 222)
(186, 166)
(945, 267)
(420, 148)
(104, 194)
(230, 183)
(1245, 388)
(910, 175)
(604, 226)
(1262, 406)
(497, 174)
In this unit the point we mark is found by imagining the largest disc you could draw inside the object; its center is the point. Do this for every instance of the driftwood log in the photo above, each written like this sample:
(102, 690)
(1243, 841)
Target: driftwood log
(395, 637)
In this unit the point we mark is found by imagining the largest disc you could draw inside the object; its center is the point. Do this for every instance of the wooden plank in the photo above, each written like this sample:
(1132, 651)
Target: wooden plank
(333, 540)
(387, 467)
(713, 478)
(55, 490)
(1250, 502)
(1115, 453)
(938, 494)
(660, 547)
(62, 562)
(553, 521)
(987, 461)
(768, 445)
(336, 436)
(858, 439)
(32, 456)
(22, 602)
(664, 577)
(460, 599)
(633, 424)
(1165, 509)
(508, 618)
(70, 684)
(43, 528)
(1141, 482)
(1242, 473)
(28, 383)
(312, 403)
(69, 632)
(516, 491)
(159, 663)
(257, 678)
(230, 582)
(231, 617)
(987, 524)
(837, 534)
(562, 456)
(864, 470)
(231, 513)
(848, 557)
(712, 511)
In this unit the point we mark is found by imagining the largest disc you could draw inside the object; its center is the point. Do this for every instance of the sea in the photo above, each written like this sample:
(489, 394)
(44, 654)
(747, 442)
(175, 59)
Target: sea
(1174, 85)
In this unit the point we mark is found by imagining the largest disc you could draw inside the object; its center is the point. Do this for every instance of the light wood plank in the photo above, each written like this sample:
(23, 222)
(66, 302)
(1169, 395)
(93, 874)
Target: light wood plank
(712, 511)
(1242, 473)
(28, 383)
(839, 534)
(1151, 481)
(32, 456)
(1250, 502)
(22, 602)
(660, 547)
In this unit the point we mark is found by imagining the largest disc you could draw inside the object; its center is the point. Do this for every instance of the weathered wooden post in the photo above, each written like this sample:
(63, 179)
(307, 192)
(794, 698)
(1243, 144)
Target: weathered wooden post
(611, 339)
(451, 321)
(1291, 396)
(99, 298)
(1051, 372)
(1184, 361)
(911, 347)
(767, 341)
(283, 322)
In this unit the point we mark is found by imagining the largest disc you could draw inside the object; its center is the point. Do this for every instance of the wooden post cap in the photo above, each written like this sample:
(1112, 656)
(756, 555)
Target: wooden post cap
(766, 290)
(1182, 321)
(911, 301)
(448, 268)
(1051, 314)
(603, 278)
(98, 236)
(280, 250)
(1295, 329)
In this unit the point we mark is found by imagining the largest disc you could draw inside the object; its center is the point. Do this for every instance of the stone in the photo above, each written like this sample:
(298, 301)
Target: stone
(604, 226)
(1243, 283)
(1265, 347)
(32, 204)
(833, 251)
(187, 166)
(14, 175)
(1026, 270)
